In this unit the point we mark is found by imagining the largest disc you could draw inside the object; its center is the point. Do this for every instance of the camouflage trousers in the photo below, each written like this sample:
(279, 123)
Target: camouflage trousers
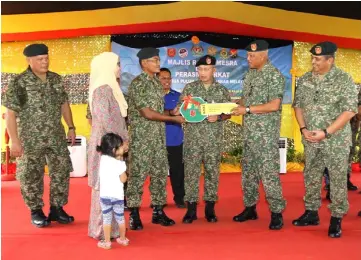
(30, 173)
(336, 161)
(261, 162)
(196, 152)
(144, 160)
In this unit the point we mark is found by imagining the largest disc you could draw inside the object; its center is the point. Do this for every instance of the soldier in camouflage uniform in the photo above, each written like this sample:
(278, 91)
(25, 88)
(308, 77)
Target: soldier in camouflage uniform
(35, 101)
(325, 101)
(147, 148)
(261, 106)
(202, 142)
(355, 126)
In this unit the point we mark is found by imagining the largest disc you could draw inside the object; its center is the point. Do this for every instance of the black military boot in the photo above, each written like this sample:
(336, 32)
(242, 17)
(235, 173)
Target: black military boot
(134, 219)
(309, 218)
(249, 213)
(276, 221)
(39, 219)
(58, 214)
(334, 230)
(350, 185)
(159, 216)
(209, 212)
(191, 213)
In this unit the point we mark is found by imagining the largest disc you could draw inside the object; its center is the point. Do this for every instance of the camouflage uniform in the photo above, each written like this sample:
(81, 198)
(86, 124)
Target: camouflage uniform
(261, 159)
(202, 142)
(322, 101)
(355, 126)
(38, 107)
(147, 148)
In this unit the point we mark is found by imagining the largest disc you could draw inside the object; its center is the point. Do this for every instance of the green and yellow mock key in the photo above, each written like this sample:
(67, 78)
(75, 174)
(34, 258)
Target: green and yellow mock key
(195, 109)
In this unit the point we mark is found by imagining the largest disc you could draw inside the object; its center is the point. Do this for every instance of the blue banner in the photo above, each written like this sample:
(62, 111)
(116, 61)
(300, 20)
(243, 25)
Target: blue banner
(181, 58)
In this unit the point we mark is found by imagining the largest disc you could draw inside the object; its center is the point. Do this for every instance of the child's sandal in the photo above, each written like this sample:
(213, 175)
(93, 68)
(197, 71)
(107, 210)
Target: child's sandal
(123, 242)
(105, 245)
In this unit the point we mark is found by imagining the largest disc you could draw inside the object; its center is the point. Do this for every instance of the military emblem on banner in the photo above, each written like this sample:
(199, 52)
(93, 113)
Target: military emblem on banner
(171, 52)
(212, 50)
(183, 52)
(233, 53)
(197, 50)
(223, 54)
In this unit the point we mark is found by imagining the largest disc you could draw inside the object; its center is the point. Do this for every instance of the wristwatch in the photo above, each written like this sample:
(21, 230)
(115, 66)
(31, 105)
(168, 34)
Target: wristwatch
(327, 134)
(248, 110)
(72, 128)
(302, 129)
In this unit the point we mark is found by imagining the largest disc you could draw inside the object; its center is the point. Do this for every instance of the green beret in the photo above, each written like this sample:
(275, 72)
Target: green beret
(324, 48)
(257, 45)
(147, 53)
(35, 50)
(206, 60)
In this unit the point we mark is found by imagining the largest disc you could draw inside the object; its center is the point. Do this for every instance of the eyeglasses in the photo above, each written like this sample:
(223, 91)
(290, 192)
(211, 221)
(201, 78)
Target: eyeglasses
(154, 60)
(118, 63)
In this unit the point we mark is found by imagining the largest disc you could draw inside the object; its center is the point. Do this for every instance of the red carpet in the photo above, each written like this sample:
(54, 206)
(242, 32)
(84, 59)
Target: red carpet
(200, 240)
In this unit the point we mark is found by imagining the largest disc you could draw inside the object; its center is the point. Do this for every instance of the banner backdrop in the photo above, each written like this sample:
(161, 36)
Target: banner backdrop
(181, 58)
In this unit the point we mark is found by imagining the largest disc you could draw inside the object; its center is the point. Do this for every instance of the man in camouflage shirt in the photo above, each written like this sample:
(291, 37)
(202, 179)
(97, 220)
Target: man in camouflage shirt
(202, 142)
(355, 126)
(35, 101)
(147, 148)
(261, 105)
(325, 101)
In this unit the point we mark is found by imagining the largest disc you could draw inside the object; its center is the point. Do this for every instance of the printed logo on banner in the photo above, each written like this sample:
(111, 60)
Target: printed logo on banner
(171, 52)
(233, 53)
(231, 65)
(197, 50)
(183, 52)
(212, 51)
(224, 54)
